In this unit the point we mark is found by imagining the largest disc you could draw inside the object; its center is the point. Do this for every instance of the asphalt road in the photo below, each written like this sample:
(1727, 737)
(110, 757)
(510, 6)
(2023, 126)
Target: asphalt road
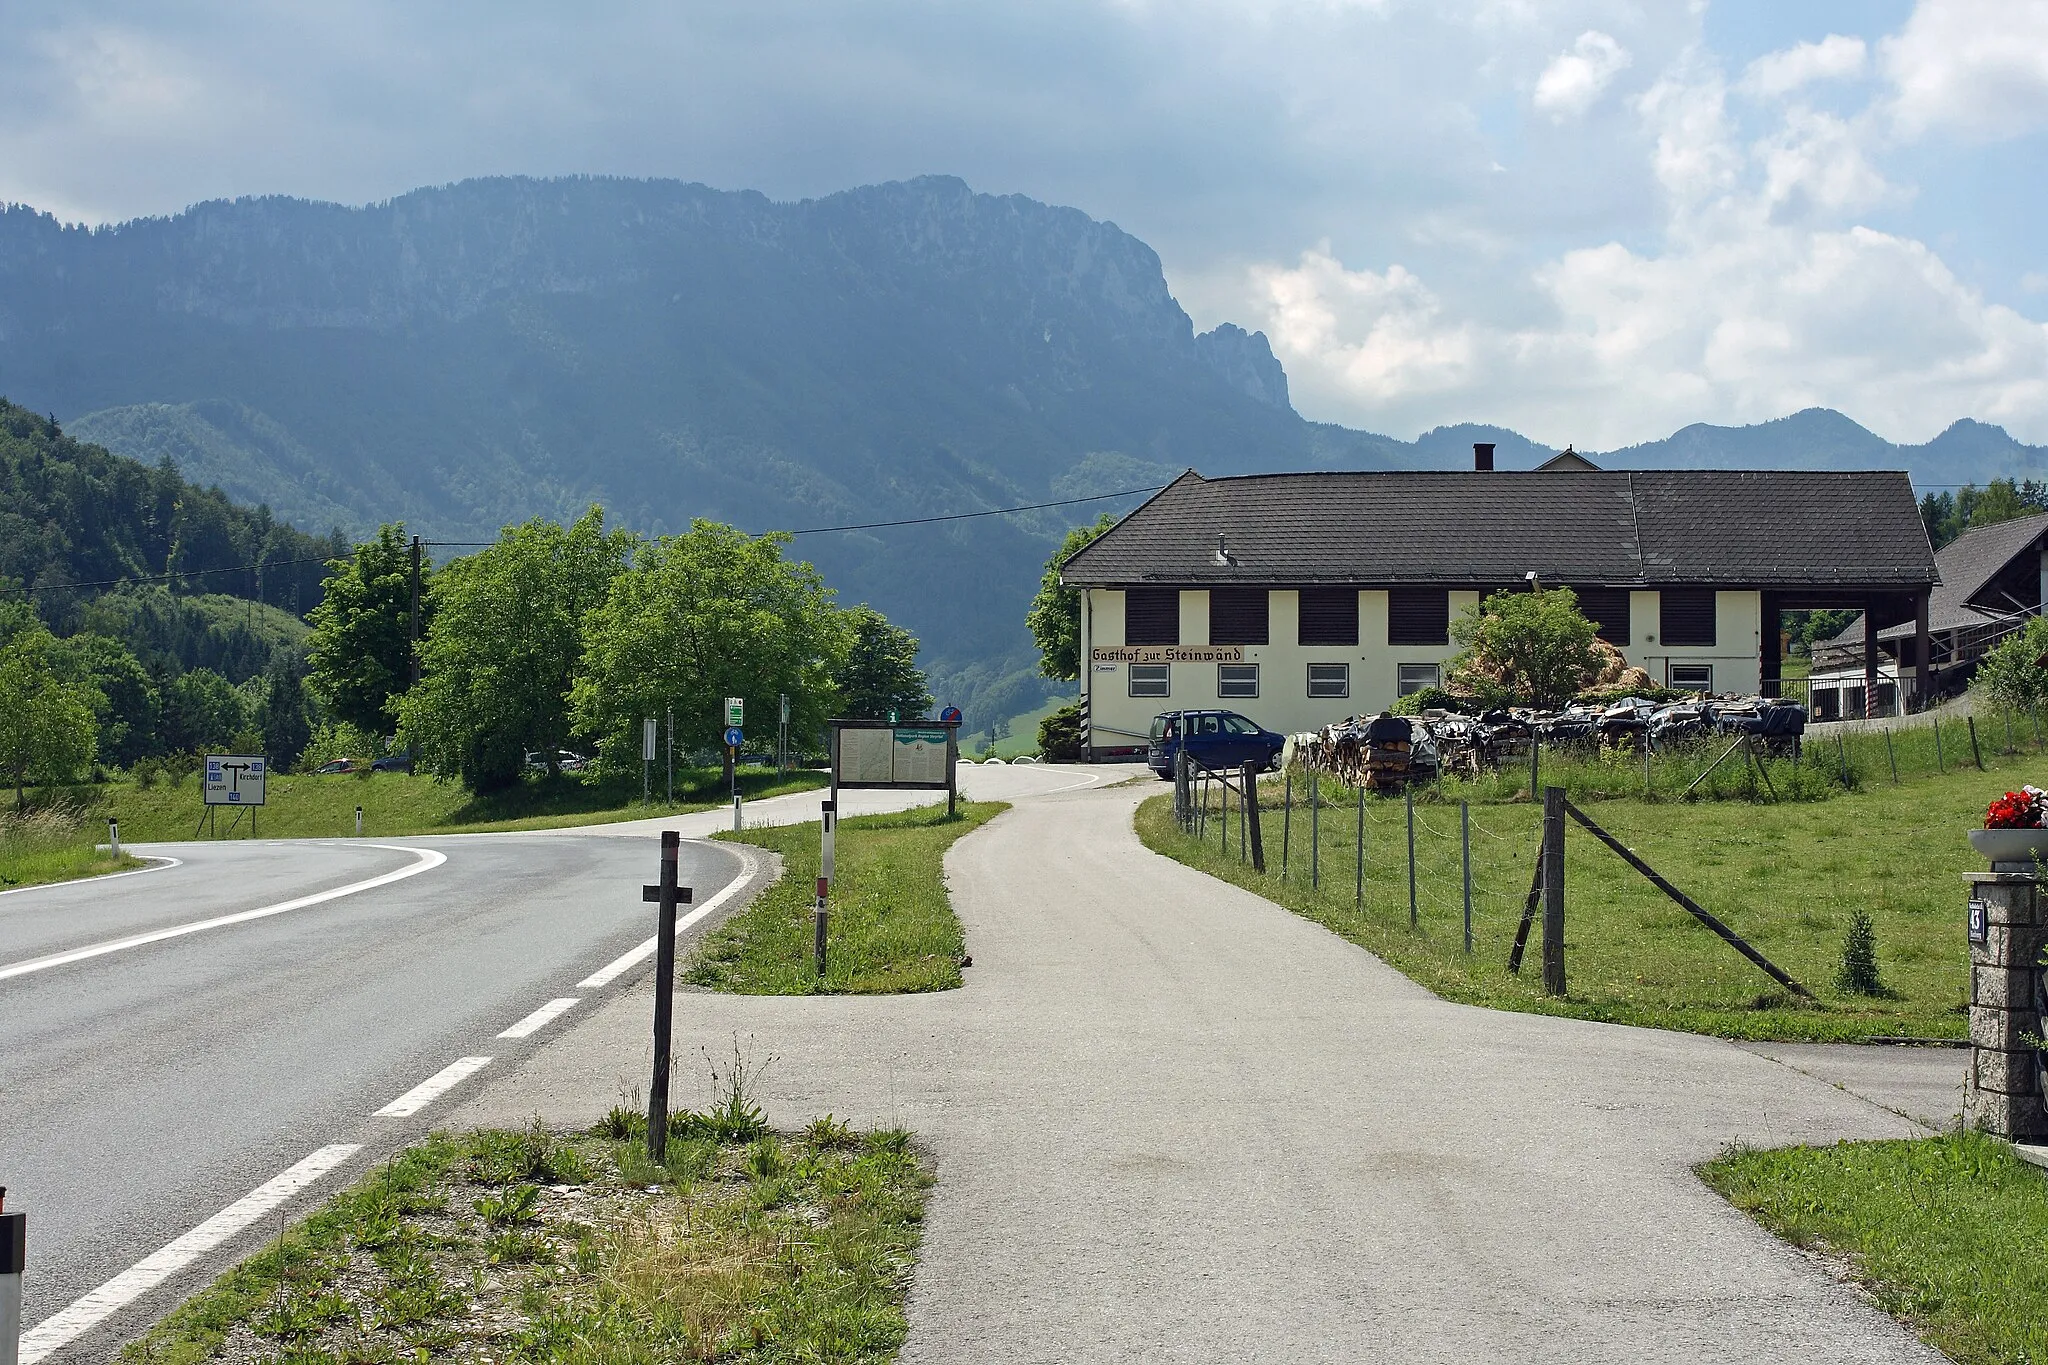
(146, 1088)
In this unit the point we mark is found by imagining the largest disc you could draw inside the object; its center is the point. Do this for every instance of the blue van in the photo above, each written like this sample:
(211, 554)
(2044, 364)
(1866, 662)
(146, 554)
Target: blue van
(1215, 739)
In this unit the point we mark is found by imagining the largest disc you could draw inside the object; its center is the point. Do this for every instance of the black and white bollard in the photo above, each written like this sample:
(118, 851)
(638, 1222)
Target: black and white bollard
(114, 838)
(359, 822)
(735, 812)
(828, 822)
(13, 1245)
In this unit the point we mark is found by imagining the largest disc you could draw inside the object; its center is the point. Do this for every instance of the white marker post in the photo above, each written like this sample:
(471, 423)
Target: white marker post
(114, 838)
(829, 812)
(359, 822)
(13, 1246)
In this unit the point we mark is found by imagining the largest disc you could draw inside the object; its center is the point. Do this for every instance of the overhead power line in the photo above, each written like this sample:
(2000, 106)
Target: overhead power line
(482, 544)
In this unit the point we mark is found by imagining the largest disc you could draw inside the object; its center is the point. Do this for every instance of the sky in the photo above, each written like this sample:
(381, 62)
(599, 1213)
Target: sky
(1593, 221)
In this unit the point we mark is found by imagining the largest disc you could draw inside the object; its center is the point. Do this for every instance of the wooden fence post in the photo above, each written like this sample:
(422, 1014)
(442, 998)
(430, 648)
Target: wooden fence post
(1257, 837)
(1553, 891)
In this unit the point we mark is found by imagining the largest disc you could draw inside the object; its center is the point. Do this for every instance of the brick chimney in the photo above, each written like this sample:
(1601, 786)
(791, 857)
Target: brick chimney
(1482, 456)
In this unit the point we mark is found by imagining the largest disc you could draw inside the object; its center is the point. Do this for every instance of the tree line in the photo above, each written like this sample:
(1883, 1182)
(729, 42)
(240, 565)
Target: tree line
(559, 635)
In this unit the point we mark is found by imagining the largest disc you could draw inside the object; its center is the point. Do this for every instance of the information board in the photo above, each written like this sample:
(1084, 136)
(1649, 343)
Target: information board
(919, 754)
(233, 780)
(874, 753)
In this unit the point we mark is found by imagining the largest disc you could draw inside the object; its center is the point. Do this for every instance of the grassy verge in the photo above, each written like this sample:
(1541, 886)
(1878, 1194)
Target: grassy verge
(52, 846)
(1786, 876)
(1949, 1234)
(535, 1246)
(304, 806)
(892, 928)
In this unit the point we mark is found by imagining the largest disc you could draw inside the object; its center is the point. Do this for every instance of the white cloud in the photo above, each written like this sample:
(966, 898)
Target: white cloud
(1574, 80)
(1978, 67)
(1761, 301)
(1780, 73)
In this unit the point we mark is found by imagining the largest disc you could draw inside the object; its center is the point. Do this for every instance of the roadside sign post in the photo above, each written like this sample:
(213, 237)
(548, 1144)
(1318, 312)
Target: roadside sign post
(667, 895)
(735, 717)
(734, 737)
(646, 759)
(782, 739)
(232, 780)
(669, 739)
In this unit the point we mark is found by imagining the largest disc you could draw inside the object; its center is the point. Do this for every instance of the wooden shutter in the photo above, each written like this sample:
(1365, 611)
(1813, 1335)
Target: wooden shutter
(1686, 616)
(1329, 616)
(1418, 616)
(1152, 616)
(1237, 616)
(1608, 609)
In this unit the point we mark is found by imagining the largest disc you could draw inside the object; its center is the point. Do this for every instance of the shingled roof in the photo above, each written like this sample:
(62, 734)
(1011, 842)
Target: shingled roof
(1968, 564)
(1731, 527)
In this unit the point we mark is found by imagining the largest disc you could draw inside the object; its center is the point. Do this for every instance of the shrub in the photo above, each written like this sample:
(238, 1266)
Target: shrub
(1859, 975)
(1059, 734)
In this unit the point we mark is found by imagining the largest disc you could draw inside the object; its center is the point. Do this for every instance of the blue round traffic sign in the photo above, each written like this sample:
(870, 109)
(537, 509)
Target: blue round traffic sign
(733, 736)
(951, 715)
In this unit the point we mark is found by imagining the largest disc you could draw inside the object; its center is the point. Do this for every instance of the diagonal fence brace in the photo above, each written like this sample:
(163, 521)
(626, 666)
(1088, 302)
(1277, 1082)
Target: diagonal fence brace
(1692, 906)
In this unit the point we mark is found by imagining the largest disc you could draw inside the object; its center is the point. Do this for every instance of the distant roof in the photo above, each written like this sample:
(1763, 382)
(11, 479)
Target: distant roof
(1967, 564)
(1567, 459)
(1736, 527)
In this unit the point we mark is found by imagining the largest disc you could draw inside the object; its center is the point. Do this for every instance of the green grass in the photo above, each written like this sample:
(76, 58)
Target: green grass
(47, 846)
(892, 926)
(1786, 876)
(534, 1246)
(397, 804)
(1022, 737)
(1949, 1234)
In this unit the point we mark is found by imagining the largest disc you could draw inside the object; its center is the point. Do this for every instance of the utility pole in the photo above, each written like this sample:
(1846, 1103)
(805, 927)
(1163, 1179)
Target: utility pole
(415, 611)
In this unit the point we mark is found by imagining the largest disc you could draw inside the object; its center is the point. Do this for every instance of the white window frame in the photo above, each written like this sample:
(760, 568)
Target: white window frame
(1672, 670)
(1405, 686)
(1225, 692)
(1148, 673)
(1343, 681)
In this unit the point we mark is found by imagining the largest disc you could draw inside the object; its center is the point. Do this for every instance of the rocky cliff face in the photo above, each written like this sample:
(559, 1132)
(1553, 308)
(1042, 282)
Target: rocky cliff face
(483, 352)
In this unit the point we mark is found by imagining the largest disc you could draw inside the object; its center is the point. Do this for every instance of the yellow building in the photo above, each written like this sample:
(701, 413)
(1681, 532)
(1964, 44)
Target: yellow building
(1300, 599)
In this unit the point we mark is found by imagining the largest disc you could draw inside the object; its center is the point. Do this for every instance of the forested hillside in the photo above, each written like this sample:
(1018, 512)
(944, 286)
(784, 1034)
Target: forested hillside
(72, 514)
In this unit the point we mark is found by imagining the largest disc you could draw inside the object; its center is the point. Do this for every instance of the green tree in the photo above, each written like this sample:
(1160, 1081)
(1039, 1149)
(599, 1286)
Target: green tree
(880, 674)
(129, 709)
(505, 645)
(711, 614)
(360, 655)
(2008, 673)
(1535, 648)
(281, 713)
(202, 712)
(1055, 614)
(47, 726)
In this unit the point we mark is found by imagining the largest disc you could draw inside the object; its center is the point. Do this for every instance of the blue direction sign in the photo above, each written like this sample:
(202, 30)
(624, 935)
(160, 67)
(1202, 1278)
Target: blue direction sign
(733, 736)
(951, 715)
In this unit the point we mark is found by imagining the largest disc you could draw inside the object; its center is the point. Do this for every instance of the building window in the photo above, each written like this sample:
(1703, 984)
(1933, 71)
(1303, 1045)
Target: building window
(1686, 616)
(1237, 680)
(1329, 616)
(1415, 677)
(1152, 617)
(1237, 616)
(1606, 608)
(1329, 680)
(1691, 677)
(1149, 680)
(1418, 616)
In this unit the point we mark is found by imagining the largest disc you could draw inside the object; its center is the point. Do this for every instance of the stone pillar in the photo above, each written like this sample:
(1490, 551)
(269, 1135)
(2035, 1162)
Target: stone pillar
(2004, 1093)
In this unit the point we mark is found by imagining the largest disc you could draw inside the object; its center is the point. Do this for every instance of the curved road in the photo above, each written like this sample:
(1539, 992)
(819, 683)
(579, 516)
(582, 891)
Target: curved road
(171, 1041)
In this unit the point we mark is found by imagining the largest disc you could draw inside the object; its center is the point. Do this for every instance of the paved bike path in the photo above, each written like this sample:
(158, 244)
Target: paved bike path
(1174, 1122)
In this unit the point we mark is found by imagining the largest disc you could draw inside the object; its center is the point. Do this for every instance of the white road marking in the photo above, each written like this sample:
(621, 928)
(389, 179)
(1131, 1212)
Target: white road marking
(625, 962)
(161, 863)
(427, 860)
(433, 1087)
(68, 1324)
(542, 1017)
